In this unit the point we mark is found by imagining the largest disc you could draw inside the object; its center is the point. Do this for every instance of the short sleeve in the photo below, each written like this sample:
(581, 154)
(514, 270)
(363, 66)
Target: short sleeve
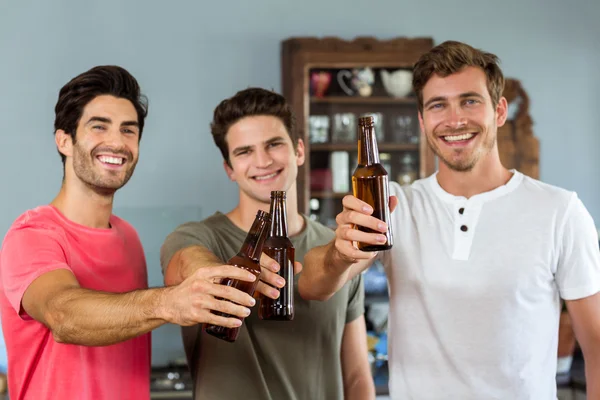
(186, 235)
(356, 299)
(27, 253)
(578, 267)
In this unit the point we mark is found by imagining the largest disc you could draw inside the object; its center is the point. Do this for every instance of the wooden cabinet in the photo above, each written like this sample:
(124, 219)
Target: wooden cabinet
(331, 83)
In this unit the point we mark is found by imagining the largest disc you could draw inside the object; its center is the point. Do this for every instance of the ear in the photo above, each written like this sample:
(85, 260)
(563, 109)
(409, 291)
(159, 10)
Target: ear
(300, 153)
(501, 112)
(229, 171)
(64, 142)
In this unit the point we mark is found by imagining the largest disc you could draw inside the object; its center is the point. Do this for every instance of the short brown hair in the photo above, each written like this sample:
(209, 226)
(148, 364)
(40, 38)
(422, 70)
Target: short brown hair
(451, 57)
(101, 80)
(246, 103)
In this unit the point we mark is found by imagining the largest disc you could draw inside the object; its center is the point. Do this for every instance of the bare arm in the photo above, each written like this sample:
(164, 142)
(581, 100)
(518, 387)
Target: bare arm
(327, 268)
(356, 372)
(326, 271)
(585, 314)
(190, 259)
(81, 316)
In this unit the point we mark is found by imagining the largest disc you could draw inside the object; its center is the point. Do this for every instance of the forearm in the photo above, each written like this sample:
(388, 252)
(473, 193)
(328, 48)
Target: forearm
(325, 272)
(592, 376)
(91, 318)
(360, 387)
(187, 261)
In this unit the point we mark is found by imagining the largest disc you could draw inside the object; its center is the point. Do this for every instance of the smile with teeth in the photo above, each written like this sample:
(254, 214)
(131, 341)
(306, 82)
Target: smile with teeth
(265, 177)
(111, 160)
(456, 138)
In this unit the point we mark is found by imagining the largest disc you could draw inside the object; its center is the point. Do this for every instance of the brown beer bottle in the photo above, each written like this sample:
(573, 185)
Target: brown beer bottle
(279, 247)
(370, 182)
(247, 258)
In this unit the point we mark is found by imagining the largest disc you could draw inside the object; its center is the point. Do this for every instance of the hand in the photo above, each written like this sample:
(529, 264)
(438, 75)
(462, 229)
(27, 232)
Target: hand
(193, 300)
(358, 213)
(270, 281)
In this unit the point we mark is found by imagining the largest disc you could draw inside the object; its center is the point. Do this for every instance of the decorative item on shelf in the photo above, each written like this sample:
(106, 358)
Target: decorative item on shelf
(385, 159)
(320, 179)
(344, 128)
(403, 131)
(318, 128)
(397, 83)
(340, 171)
(361, 81)
(314, 209)
(378, 118)
(319, 82)
(408, 170)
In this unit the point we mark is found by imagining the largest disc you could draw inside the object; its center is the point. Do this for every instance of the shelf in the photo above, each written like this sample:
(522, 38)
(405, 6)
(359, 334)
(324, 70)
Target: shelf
(354, 147)
(327, 195)
(363, 100)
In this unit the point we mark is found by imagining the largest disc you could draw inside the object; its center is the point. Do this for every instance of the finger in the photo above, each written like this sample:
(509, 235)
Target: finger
(268, 263)
(359, 219)
(351, 253)
(352, 203)
(230, 308)
(267, 290)
(393, 203)
(231, 294)
(226, 271)
(272, 278)
(220, 321)
(297, 267)
(355, 235)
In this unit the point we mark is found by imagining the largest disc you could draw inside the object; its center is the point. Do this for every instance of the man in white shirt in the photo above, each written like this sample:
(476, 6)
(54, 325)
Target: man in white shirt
(481, 257)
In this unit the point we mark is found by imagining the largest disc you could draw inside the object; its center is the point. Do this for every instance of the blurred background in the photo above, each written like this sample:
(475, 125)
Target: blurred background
(189, 55)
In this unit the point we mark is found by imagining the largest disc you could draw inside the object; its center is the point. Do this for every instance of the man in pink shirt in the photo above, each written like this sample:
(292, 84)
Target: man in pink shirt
(76, 310)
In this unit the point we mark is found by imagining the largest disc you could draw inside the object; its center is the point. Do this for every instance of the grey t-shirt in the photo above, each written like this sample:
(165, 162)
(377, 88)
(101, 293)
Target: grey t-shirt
(270, 360)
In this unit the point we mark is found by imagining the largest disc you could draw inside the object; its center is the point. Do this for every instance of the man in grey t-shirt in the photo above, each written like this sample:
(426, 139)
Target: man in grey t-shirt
(322, 353)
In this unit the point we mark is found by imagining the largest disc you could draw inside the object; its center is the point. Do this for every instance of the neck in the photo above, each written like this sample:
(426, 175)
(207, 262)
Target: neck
(82, 205)
(486, 175)
(243, 215)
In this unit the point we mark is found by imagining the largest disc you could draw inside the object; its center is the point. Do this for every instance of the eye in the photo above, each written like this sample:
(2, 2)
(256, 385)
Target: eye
(275, 144)
(128, 131)
(99, 127)
(471, 102)
(242, 153)
(436, 106)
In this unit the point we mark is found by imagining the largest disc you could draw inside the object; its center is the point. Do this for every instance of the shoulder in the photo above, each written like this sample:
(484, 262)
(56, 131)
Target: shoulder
(38, 220)
(550, 193)
(211, 223)
(122, 225)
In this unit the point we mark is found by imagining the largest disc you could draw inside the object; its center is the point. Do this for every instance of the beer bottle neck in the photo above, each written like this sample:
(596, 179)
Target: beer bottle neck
(278, 217)
(368, 153)
(253, 244)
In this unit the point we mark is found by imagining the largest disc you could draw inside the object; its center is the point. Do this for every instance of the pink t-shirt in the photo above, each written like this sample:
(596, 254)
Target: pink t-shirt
(111, 260)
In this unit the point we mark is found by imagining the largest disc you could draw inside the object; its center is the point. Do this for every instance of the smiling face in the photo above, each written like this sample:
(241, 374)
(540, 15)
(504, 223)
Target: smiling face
(459, 119)
(262, 157)
(104, 152)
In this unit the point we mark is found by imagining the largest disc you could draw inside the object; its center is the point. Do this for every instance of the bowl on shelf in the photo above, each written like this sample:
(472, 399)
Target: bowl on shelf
(397, 83)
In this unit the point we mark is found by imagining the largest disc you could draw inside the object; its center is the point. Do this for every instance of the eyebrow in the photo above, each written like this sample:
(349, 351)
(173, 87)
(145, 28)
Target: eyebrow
(241, 149)
(109, 121)
(443, 98)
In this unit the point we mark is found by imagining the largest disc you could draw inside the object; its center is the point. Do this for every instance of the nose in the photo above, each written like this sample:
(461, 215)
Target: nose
(114, 138)
(263, 159)
(455, 118)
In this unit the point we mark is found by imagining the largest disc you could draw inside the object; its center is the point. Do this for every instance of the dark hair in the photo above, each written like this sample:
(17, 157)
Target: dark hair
(102, 80)
(450, 57)
(246, 103)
